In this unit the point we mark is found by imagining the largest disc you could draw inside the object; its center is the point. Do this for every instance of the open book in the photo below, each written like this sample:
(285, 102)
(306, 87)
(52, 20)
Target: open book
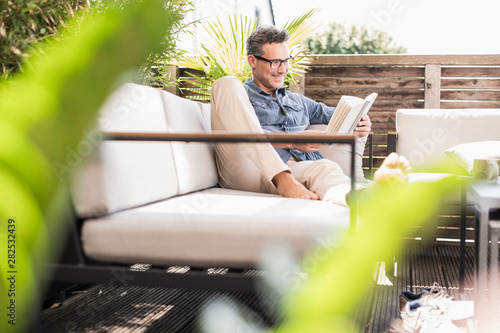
(348, 113)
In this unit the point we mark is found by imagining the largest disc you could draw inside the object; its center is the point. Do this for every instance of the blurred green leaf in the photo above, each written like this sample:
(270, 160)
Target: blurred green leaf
(46, 114)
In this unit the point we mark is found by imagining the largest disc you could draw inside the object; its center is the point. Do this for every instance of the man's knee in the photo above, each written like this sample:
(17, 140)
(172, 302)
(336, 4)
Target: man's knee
(327, 165)
(326, 169)
(226, 83)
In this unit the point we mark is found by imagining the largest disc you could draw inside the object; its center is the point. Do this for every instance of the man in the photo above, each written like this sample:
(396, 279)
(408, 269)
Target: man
(264, 105)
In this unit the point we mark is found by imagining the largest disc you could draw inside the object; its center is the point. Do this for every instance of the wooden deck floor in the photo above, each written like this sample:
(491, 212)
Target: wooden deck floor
(103, 308)
(417, 268)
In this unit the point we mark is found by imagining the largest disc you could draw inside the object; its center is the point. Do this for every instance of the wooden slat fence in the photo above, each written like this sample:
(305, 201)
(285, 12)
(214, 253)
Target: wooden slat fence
(404, 81)
(183, 74)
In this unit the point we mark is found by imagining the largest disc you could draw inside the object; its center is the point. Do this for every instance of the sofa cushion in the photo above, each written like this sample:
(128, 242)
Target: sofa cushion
(216, 226)
(194, 161)
(453, 199)
(133, 108)
(119, 174)
(341, 154)
(464, 154)
(123, 175)
(425, 134)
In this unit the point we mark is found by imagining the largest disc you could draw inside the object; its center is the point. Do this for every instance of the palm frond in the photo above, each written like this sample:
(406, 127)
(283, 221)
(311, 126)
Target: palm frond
(199, 81)
(192, 62)
(223, 50)
(199, 98)
(203, 85)
(227, 45)
(302, 27)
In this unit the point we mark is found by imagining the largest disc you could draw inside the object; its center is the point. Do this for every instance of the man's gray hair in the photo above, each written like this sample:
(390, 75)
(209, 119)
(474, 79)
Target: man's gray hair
(265, 34)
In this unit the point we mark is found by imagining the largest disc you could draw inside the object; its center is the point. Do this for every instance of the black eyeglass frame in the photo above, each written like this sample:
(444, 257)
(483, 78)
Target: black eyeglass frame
(286, 63)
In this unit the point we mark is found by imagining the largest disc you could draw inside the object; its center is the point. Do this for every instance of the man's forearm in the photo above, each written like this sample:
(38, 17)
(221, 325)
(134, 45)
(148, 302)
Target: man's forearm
(283, 145)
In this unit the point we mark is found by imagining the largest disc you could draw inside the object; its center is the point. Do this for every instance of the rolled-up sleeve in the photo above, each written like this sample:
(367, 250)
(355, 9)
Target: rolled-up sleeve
(319, 113)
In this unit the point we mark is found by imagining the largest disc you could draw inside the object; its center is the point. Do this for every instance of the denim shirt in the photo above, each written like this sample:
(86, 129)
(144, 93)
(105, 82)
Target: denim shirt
(287, 112)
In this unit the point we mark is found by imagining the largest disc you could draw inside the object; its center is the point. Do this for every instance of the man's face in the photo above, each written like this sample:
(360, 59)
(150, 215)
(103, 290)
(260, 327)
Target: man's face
(265, 77)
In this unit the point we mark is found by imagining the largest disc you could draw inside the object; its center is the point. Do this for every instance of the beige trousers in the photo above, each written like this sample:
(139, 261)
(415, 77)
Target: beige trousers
(251, 166)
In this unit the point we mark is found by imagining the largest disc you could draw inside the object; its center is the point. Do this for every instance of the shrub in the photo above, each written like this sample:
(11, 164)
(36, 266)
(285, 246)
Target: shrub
(23, 23)
(26, 23)
(350, 39)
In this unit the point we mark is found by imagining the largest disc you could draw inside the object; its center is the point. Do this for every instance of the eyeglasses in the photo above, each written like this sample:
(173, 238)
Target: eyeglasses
(275, 64)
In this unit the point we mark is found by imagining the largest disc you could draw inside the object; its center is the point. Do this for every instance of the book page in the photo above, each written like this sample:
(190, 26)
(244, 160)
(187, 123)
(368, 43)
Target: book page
(341, 111)
(364, 111)
(348, 113)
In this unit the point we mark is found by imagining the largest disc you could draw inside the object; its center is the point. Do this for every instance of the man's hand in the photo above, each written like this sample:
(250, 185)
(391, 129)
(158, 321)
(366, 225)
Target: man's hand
(364, 127)
(305, 147)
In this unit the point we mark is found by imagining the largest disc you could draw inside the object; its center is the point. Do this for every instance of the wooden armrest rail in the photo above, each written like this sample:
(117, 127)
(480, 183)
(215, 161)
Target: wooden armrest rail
(230, 137)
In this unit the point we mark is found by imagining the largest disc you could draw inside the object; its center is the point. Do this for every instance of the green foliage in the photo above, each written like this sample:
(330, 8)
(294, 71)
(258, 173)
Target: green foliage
(152, 70)
(26, 23)
(350, 39)
(44, 113)
(223, 51)
(23, 23)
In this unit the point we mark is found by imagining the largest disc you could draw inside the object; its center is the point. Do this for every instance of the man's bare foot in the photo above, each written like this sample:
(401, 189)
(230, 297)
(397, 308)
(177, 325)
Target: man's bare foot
(289, 187)
(394, 167)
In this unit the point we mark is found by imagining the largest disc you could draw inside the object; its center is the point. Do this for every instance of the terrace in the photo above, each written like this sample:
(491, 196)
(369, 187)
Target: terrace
(119, 308)
(402, 81)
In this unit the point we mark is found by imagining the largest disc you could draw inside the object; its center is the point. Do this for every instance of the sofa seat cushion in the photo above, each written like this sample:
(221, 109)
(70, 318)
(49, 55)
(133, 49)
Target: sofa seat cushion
(217, 227)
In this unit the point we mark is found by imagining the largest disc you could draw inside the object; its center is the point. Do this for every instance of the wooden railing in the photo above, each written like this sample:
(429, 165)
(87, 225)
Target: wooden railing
(403, 81)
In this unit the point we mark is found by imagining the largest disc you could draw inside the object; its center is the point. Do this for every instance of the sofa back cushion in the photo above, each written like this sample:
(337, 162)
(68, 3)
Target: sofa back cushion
(194, 162)
(121, 174)
(341, 154)
(425, 134)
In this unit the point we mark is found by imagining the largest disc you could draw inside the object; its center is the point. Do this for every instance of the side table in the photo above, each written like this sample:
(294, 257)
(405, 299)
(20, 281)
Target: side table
(494, 230)
(487, 198)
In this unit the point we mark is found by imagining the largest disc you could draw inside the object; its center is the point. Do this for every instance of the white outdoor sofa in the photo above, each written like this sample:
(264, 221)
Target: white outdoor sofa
(159, 202)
